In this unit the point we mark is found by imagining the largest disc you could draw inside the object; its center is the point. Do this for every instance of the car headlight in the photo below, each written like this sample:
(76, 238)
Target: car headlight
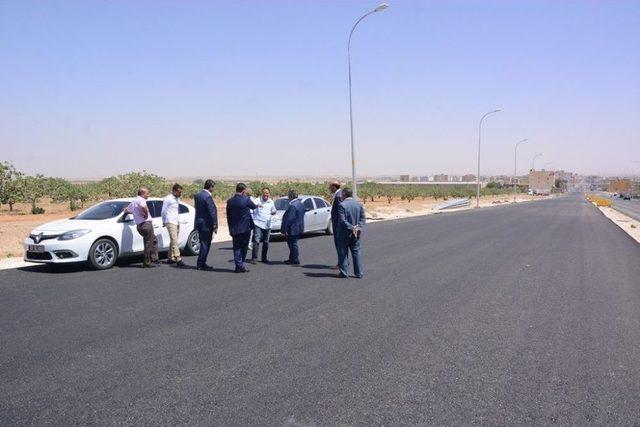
(73, 234)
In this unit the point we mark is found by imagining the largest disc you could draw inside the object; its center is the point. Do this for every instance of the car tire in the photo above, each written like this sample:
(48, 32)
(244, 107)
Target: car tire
(103, 254)
(193, 244)
(329, 229)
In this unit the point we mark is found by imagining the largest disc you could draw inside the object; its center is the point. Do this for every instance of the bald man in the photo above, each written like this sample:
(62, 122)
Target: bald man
(138, 207)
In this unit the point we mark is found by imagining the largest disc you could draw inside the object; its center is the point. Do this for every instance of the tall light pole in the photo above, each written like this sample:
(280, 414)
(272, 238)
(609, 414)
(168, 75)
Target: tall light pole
(479, 140)
(533, 161)
(515, 166)
(380, 8)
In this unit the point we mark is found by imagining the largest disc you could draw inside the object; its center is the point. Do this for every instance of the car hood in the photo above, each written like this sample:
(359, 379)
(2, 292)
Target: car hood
(64, 225)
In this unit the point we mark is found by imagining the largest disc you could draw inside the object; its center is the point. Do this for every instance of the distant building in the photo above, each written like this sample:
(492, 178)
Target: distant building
(541, 182)
(441, 178)
(423, 179)
(619, 185)
(405, 178)
(469, 178)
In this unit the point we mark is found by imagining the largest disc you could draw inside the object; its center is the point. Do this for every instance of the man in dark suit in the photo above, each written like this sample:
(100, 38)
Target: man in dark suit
(293, 226)
(352, 222)
(240, 225)
(336, 199)
(206, 222)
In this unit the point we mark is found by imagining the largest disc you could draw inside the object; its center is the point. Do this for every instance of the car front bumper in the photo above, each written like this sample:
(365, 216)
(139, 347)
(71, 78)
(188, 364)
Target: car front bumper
(55, 251)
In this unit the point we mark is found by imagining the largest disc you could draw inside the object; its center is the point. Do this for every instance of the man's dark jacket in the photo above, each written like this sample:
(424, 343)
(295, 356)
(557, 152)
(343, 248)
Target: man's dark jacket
(239, 214)
(206, 212)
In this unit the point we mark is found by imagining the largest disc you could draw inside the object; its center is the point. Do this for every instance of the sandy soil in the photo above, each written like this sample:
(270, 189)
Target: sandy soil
(381, 210)
(628, 224)
(15, 226)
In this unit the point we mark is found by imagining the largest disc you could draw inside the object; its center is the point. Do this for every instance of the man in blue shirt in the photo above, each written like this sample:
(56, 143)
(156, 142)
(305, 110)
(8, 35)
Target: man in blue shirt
(240, 225)
(293, 226)
(262, 226)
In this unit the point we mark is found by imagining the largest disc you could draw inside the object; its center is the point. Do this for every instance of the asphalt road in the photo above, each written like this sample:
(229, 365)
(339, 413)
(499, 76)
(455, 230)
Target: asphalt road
(628, 207)
(526, 314)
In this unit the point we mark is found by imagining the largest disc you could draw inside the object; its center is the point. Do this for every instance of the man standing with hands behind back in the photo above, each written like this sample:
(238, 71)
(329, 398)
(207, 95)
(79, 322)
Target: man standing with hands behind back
(206, 222)
(352, 222)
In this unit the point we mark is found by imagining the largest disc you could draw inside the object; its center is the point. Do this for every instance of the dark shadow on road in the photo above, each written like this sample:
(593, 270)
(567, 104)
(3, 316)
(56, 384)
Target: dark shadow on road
(319, 275)
(53, 268)
(223, 270)
(318, 266)
(276, 263)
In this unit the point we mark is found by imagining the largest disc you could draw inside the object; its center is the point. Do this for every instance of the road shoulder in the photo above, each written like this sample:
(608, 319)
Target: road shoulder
(626, 223)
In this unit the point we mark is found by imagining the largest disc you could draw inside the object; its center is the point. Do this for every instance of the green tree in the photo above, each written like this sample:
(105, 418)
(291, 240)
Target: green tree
(32, 189)
(10, 190)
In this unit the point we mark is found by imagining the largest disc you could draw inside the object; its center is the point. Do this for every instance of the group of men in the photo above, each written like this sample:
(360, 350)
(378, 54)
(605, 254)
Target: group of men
(248, 217)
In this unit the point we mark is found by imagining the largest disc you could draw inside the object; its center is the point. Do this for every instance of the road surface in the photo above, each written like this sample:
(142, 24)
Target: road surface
(525, 314)
(630, 208)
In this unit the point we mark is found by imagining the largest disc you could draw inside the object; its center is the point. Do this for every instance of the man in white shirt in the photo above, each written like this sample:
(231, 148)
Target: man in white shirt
(170, 211)
(262, 226)
(138, 207)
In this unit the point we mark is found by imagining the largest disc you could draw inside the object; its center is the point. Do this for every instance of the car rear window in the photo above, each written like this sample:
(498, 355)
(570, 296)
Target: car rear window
(282, 204)
(320, 203)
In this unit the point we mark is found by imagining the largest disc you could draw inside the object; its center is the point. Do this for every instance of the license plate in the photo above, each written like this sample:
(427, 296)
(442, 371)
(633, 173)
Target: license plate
(36, 248)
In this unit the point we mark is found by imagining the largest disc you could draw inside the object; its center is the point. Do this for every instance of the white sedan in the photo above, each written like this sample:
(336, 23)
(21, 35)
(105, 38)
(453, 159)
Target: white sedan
(103, 233)
(317, 214)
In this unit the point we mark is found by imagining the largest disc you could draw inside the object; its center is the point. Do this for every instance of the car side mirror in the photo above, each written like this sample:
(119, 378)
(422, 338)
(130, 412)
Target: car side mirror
(127, 217)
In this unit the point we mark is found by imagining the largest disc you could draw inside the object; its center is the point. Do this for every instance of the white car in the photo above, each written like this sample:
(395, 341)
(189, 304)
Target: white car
(103, 233)
(317, 216)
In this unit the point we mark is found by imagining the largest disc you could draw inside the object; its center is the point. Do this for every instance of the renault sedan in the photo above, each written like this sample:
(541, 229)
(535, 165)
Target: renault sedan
(103, 233)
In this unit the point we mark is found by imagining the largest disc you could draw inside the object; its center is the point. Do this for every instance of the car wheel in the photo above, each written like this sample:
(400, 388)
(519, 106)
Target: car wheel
(329, 229)
(103, 254)
(193, 243)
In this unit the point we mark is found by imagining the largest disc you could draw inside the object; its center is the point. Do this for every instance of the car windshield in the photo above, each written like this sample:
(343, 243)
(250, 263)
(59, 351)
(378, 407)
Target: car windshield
(282, 204)
(103, 210)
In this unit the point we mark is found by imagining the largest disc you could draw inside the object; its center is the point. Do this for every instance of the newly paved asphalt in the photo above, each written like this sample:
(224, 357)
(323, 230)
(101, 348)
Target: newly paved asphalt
(628, 207)
(526, 314)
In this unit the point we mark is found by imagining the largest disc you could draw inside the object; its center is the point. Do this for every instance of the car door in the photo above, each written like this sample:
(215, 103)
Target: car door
(186, 221)
(324, 213)
(161, 232)
(310, 215)
(131, 241)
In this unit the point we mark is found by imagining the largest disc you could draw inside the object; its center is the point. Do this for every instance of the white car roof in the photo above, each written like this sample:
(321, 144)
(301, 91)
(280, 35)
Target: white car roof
(302, 196)
(150, 199)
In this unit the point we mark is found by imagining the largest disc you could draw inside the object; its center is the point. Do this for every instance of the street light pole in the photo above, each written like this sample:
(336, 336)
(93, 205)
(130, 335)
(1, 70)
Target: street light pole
(533, 161)
(515, 167)
(380, 8)
(479, 140)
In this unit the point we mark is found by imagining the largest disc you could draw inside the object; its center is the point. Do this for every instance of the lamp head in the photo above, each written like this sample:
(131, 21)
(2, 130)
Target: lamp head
(381, 7)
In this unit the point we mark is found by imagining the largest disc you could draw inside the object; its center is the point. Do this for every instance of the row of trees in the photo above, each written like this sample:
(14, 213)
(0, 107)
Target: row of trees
(15, 187)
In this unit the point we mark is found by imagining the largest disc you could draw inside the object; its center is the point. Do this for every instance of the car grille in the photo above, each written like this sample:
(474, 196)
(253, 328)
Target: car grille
(41, 256)
(45, 237)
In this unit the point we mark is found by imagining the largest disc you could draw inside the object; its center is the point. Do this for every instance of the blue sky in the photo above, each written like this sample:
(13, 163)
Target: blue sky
(190, 88)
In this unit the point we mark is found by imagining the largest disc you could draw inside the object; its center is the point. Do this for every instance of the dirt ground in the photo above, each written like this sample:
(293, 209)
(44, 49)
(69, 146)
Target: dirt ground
(16, 225)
